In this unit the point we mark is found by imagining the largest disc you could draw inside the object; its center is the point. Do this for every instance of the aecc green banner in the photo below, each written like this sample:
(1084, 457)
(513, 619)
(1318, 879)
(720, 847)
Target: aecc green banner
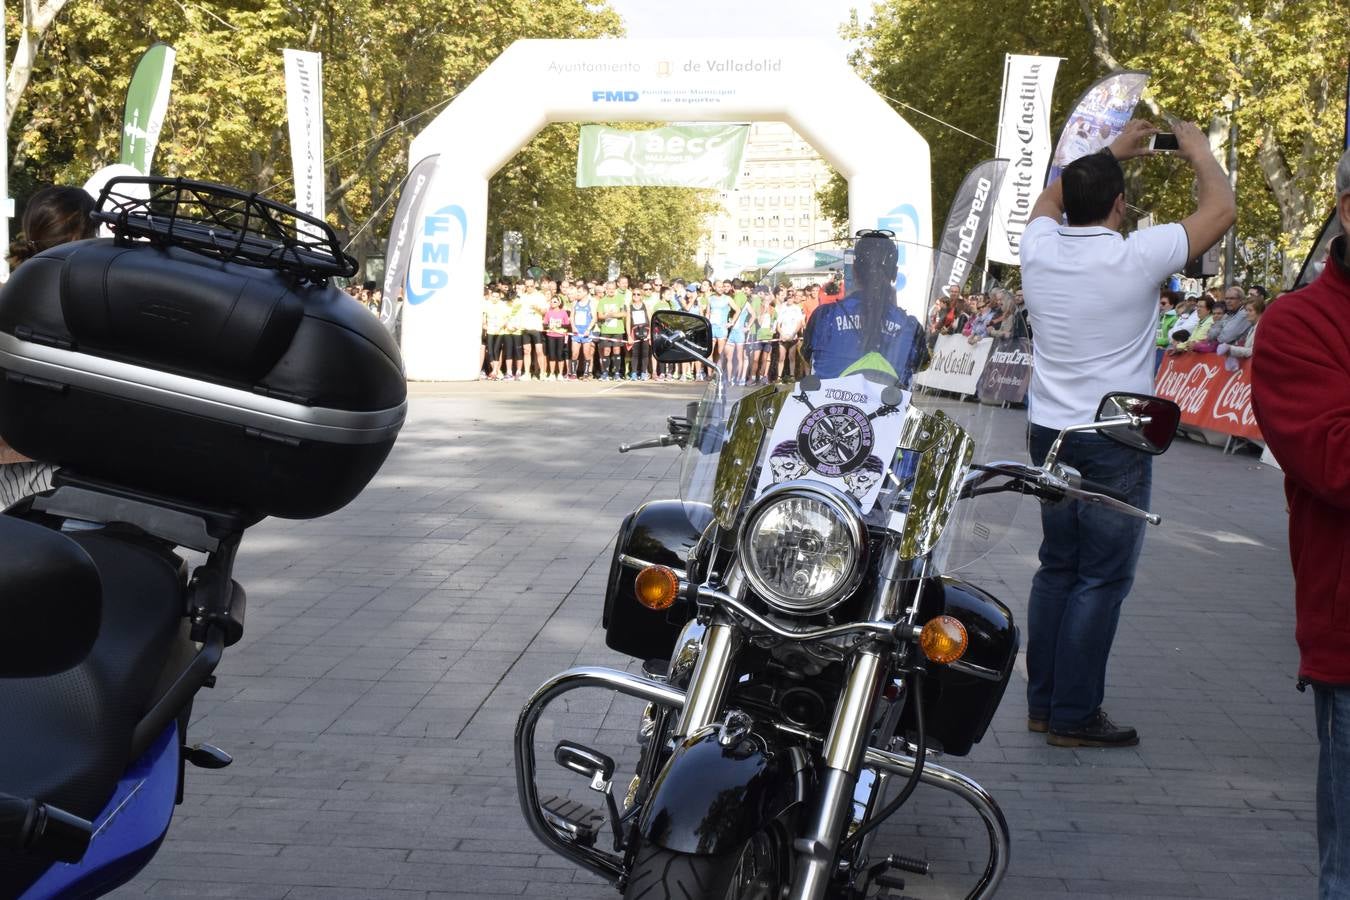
(700, 156)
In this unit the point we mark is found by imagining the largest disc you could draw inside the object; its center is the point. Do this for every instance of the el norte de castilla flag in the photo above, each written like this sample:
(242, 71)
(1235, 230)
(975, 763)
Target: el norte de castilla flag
(304, 114)
(1024, 141)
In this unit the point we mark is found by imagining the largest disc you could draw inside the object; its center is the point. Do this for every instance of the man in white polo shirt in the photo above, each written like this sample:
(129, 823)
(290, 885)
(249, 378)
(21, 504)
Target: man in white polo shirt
(1092, 295)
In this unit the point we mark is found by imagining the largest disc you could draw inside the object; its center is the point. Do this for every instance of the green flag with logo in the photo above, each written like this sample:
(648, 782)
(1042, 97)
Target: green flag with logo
(147, 101)
(698, 156)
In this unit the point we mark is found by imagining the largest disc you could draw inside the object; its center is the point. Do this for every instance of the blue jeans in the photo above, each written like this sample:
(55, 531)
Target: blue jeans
(1088, 555)
(1333, 791)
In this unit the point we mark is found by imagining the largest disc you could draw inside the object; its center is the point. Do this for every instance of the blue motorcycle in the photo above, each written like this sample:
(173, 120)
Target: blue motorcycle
(187, 377)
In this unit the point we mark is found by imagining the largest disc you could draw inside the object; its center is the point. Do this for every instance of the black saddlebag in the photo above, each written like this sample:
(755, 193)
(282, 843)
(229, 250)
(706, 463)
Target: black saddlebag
(202, 380)
(657, 533)
(960, 699)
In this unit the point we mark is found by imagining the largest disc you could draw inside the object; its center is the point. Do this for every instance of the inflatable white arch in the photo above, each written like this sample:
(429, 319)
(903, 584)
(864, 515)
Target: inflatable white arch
(533, 83)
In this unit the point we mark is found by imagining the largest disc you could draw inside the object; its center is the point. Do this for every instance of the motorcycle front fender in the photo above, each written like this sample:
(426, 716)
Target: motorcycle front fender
(713, 794)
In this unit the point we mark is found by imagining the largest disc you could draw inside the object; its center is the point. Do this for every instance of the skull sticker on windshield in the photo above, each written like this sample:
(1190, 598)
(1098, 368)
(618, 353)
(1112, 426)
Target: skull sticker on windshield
(864, 478)
(786, 463)
(835, 439)
(839, 432)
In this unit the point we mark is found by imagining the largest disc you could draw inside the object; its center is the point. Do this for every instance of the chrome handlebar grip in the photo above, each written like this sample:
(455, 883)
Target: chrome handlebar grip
(1053, 483)
(1114, 504)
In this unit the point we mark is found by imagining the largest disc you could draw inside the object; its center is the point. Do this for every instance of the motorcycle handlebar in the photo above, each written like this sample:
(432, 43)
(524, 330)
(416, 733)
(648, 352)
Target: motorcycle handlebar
(1105, 490)
(664, 440)
(1111, 501)
(1049, 486)
(27, 825)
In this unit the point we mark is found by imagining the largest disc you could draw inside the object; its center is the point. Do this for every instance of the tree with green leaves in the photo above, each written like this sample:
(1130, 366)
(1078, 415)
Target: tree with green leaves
(571, 230)
(387, 69)
(1275, 68)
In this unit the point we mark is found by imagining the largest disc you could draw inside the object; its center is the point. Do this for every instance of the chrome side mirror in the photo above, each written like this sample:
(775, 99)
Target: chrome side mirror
(679, 336)
(1139, 421)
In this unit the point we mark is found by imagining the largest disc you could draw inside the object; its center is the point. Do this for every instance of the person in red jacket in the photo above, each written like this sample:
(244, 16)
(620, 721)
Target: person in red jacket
(1301, 397)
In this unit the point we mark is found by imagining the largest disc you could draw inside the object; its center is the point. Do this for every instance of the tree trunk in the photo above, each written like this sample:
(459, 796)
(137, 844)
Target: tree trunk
(1299, 214)
(1099, 29)
(37, 18)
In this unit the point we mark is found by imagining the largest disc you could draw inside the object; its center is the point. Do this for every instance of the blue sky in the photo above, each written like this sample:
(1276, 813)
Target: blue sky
(737, 18)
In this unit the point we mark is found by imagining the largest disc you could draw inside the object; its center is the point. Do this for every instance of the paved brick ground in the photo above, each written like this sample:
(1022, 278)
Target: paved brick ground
(390, 646)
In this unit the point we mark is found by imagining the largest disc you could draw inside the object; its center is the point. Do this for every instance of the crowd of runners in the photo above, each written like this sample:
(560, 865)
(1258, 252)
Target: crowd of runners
(576, 330)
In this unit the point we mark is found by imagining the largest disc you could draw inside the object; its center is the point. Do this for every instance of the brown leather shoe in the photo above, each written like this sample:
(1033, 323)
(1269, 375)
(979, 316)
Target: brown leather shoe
(1040, 726)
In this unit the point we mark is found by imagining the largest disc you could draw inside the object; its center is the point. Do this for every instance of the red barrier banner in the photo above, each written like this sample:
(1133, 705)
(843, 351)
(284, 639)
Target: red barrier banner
(1210, 395)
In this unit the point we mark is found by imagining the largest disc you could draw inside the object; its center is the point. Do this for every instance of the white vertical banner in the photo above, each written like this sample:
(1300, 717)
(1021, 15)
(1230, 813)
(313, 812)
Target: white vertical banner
(304, 112)
(1024, 140)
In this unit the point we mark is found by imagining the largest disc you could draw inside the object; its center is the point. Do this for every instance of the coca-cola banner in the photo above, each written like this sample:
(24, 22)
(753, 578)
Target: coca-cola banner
(1007, 373)
(956, 364)
(1211, 395)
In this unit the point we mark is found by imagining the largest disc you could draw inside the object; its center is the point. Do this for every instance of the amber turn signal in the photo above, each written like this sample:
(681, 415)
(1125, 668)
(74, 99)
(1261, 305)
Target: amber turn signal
(657, 587)
(943, 639)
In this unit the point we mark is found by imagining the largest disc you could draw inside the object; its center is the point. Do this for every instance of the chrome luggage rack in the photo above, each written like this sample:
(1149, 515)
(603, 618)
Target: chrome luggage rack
(223, 223)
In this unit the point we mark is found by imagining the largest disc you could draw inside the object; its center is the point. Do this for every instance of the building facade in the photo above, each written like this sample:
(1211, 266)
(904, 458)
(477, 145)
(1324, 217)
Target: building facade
(773, 209)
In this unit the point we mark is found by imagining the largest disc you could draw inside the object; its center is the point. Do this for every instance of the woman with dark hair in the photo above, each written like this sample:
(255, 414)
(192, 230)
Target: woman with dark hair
(866, 331)
(54, 215)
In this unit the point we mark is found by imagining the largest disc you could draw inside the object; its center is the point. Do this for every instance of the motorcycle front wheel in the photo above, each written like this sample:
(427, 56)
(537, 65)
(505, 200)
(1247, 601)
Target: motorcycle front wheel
(758, 871)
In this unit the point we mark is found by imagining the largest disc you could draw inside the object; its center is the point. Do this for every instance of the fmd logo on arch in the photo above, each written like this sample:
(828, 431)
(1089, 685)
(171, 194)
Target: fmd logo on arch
(614, 96)
(444, 233)
(903, 222)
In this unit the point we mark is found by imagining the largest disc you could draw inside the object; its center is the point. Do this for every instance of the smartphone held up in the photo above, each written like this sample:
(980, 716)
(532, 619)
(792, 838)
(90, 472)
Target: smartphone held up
(1163, 142)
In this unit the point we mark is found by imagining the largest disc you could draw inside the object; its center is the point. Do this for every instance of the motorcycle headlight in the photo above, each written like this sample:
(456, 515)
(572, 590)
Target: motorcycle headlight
(801, 548)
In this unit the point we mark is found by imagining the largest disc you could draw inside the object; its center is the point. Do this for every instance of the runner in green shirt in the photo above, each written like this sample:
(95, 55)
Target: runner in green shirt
(761, 330)
(496, 318)
(516, 367)
(612, 311)
(665, 300)
(531, 307)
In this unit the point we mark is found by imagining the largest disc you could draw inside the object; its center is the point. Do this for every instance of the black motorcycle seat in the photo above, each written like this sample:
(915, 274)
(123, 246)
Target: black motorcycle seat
(67, 737)
(50, 600)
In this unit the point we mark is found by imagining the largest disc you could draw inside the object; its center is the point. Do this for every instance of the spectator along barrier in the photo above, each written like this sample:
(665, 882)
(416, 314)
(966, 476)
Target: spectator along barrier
(1212, 396)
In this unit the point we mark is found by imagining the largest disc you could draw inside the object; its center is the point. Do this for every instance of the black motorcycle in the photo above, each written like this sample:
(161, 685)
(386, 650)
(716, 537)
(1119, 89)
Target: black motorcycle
(805, 643)
(187, 377)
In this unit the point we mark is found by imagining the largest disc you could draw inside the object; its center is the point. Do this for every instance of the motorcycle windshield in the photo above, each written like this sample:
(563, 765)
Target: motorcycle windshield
(873, 394)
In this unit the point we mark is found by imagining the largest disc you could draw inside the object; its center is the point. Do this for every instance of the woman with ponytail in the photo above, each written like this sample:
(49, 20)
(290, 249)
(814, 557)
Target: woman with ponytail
(54, 215)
